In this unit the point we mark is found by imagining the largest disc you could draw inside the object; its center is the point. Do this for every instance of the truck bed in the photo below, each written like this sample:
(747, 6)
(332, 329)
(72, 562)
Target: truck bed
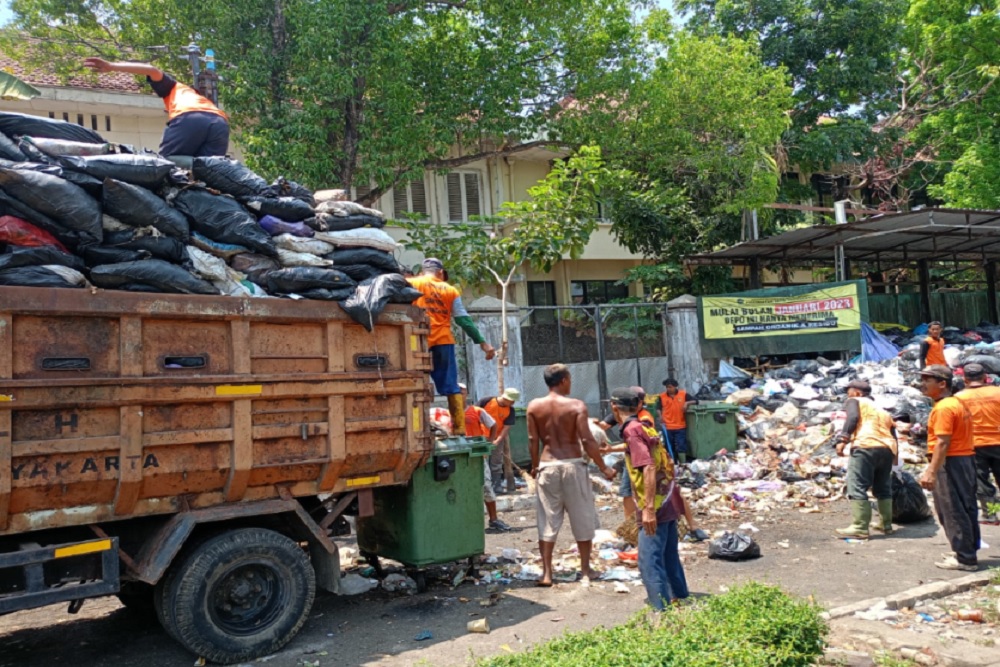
(115, 405)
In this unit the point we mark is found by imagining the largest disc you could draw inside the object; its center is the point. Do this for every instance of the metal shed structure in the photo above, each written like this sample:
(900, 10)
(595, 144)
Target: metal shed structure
(910, 238)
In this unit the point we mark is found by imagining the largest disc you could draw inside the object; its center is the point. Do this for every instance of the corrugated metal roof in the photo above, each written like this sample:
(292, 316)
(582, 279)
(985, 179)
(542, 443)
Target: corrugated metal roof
(932, 233)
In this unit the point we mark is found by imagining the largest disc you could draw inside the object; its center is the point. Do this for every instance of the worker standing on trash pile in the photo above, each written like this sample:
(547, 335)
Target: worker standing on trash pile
(932, 347)
(871, 433)
(479, 424)
(983, 403)
(442, 302)
(694, 534)
(557, 427)
(195, 126)
(656, 493)
(671, 404)
(501, 408)
(951, 474)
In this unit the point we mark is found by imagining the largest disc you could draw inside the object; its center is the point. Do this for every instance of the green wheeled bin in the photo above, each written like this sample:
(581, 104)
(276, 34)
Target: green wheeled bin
(438, 516)
(519, 452)
(711, 426)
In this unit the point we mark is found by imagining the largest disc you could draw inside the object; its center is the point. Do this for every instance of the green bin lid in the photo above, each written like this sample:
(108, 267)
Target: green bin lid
(462, 445)
(713, 406)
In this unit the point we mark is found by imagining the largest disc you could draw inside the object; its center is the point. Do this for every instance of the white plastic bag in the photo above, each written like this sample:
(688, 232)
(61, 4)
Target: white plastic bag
(299, 244)
(366, 237)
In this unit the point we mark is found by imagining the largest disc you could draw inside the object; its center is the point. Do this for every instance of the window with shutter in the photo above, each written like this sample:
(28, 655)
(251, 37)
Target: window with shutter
(455, 208)
(464, 195)
(410, 197)
(359, 191)
(472, 195)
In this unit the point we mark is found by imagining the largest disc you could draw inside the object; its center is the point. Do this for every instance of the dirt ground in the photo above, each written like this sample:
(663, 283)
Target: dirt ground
(799, 553)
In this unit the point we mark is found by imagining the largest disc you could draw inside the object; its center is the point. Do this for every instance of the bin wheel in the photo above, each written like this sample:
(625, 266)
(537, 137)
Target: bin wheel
(238, 596)
(420, 579)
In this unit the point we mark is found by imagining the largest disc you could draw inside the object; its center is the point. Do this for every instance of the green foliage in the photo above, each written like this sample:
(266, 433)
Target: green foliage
(557, 220)
(750, 626)
(974, 180)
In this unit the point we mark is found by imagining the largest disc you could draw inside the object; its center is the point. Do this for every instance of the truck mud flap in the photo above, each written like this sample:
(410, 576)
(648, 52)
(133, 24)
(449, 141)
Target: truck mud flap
(40, 591)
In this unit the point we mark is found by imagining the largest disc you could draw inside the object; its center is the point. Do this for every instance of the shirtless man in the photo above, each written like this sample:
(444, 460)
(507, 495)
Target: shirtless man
(560, 425)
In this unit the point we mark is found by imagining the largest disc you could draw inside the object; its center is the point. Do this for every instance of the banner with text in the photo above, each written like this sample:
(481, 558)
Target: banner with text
(786, 320)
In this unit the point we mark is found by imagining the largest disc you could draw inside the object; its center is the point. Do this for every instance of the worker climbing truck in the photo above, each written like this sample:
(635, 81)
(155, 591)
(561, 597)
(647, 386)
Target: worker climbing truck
(197, 455)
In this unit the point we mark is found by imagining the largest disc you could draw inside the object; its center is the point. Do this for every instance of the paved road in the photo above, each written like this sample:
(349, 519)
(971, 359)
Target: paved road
(379, 628)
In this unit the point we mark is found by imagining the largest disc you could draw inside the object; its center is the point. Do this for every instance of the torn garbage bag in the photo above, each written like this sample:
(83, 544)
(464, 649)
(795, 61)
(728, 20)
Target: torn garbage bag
(230, 177)
(301, 278)
(149, 171)
(161, 247)
(57, 199)
(21, 124)
(138, 207)
(734, 547)
(223, 219)
(285, 188)
(155, 273)
(372, 295)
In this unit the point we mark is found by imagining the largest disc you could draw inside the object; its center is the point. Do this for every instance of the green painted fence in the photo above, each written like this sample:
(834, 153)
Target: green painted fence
(958, 309)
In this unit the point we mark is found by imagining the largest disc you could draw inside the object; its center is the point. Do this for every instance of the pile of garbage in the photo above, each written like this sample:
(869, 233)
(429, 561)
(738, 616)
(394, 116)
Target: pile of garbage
(76, 210)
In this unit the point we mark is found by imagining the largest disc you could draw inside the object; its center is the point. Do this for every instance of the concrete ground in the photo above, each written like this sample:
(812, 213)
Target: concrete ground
(799, 553)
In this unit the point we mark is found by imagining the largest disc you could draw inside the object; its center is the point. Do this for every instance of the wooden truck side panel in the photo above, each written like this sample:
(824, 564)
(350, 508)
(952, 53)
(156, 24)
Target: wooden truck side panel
(116, 405)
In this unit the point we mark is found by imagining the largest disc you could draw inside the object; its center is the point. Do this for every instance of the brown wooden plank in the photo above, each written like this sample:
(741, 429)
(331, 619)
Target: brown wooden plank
(240, 347)
(5, 466)
(130, 463)
(378, 424)
(335, 347)
(67, 445)
(288, 431)
(6, 346)
(242, 451)
(192, 437)
(130, 346)
(337, 443)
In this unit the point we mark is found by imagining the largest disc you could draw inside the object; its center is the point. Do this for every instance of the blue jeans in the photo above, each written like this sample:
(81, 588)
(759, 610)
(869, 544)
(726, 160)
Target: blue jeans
(660, 566)
(444, 370)
(679, 440)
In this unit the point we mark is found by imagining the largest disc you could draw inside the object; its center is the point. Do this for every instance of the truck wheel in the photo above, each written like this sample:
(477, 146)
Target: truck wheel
(238, 596)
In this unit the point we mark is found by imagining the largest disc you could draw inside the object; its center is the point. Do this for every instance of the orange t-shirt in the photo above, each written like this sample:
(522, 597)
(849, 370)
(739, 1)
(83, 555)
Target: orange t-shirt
(179, 98)
(672, 410)
(646, 417)
(438, 297)
(951, 417)
(935, 352)
(474, 427)
(499, 413)
(984, 405)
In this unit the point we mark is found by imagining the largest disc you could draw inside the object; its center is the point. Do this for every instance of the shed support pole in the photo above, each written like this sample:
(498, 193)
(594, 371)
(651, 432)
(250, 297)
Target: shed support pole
(754, 268)
(991, 291)
(924, 276)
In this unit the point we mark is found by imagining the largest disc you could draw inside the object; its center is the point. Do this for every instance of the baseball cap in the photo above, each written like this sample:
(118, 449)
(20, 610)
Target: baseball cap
(938, 371)
(512, 395)
(433, 263)
(625, 397)
(863, 385)
(974, 370)
(639, 391)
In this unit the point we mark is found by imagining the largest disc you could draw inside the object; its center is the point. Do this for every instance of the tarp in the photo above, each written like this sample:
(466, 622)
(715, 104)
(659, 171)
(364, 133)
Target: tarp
(785, 320)
(875, 346)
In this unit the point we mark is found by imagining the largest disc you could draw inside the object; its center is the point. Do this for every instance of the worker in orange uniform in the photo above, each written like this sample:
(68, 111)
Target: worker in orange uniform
(983, 402)
(871, 433)
(501, 408)
(932, 348)
(195, 126)
(480, 424)
(671, 404)
(951, 474)
(442, 302)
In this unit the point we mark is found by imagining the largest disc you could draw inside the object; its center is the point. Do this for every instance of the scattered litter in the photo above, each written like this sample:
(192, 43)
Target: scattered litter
(621, 588)
(354, 584)
(423, 635)
(478, 626)
(399, 583)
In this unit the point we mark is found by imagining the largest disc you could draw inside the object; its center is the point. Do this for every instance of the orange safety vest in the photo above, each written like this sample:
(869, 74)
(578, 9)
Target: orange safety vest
(438, 297)
(984, 405)
(673, 410)
(935, 352)
(474, 426)
(646, 417)
(183, 99)
(874, 427)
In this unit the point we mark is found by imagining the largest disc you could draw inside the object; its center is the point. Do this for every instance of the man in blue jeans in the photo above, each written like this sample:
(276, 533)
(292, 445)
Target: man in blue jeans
(658, 500)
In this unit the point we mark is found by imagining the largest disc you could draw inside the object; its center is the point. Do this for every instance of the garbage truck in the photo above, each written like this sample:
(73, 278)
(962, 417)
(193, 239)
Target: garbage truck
(196, 456)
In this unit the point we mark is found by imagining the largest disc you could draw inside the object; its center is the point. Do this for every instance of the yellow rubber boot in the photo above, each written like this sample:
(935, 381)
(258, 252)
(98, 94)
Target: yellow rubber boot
(456, 406)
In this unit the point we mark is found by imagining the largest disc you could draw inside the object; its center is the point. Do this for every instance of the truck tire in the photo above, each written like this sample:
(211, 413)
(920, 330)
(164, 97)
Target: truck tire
(240, 595)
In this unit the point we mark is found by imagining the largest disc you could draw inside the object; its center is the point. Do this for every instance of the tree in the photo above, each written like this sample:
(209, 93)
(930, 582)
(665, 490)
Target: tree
(556, 221)
(352, 93)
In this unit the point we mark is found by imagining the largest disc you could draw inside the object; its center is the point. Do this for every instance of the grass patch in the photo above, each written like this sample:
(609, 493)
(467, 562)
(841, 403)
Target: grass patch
(750, 626)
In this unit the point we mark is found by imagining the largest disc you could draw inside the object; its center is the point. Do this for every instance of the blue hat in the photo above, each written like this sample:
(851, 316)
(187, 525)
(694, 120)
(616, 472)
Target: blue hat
(433, 263)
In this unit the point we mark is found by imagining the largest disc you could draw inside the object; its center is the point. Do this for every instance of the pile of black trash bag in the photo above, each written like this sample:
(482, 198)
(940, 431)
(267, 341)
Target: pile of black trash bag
(76, 210)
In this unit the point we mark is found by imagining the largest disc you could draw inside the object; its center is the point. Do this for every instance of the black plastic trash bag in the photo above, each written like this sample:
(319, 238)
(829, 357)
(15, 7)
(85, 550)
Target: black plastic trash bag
(166, 248)
(373, 295)
(155, 273)
(61, 147)
(9, 149)
(138, 207)
(734, 547)
(379, 258)
(96, 255)
(33, 276)
(19, 124)
(328, 222)
(52, 169)
(909, 502)
(285, 208)
(57, 199)
(11, 206)
(991, 364)
(256, 267)
(149, 171)
(328, 294)
(230, 177)
(298, 279)
(360, 272)
(285, 188)
(223, 219)
(39, 256)
(91, 185)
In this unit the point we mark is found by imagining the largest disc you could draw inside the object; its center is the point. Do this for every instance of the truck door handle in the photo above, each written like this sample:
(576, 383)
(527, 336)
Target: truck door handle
(176, 363)
(371, 360)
